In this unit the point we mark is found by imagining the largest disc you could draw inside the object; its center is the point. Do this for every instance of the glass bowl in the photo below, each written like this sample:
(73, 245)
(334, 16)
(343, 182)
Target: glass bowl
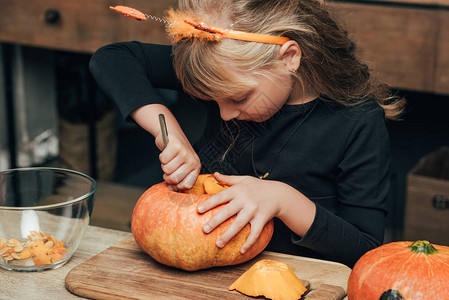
(44, 213)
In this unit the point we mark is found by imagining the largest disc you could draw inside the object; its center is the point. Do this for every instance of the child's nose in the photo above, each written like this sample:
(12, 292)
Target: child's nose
(228, 113)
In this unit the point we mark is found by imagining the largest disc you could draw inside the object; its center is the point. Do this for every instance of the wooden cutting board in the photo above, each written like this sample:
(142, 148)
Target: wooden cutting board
(123, 271)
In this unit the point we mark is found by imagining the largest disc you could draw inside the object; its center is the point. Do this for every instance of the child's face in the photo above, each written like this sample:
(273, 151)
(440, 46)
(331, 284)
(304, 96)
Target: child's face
(261, 102)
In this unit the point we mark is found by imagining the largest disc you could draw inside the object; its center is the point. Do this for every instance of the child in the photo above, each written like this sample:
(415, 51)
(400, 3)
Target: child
(294, 121)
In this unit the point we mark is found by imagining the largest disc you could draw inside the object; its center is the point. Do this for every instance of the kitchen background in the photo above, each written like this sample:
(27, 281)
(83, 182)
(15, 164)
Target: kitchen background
(52, 113)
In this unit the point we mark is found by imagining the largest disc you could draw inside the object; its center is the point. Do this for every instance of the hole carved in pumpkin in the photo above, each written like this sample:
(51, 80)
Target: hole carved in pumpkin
(391, 295)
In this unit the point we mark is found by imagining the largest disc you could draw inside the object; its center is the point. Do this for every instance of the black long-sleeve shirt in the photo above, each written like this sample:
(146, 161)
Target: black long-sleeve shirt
(337, 156)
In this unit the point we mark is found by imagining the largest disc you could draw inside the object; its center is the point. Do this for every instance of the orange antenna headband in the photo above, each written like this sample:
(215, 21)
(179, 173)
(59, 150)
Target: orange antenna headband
(181, 25)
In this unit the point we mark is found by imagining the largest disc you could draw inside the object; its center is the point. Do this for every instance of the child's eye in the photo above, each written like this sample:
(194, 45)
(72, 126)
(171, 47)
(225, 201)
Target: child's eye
(241, 101)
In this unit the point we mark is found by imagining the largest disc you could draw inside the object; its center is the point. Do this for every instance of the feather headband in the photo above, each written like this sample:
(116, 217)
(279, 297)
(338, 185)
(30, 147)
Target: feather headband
(181, 25)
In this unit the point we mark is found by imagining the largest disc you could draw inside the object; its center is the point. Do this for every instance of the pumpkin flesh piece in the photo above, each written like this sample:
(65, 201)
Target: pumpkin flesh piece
(272, 279)
(211, 185)
(198, 187)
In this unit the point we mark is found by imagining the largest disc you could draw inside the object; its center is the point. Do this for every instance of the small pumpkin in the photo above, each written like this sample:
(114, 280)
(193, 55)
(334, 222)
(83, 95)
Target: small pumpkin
(272, 279)
(401, 270)
(167, 226)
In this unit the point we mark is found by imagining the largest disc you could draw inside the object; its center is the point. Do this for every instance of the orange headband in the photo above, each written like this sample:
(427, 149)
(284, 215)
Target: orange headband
(182, 25)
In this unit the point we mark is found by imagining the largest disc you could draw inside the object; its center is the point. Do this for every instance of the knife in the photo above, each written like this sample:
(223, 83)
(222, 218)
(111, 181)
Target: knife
(163, 129)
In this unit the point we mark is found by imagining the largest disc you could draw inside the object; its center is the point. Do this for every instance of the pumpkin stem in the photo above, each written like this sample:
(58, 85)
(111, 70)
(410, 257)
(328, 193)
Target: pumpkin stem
(423, 247)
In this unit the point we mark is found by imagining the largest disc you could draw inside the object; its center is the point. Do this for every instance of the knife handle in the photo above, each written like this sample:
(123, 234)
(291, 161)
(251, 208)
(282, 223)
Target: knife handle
(163, 129)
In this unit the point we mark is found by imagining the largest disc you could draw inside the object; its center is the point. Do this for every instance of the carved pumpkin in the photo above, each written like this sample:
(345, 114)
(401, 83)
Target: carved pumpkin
(166, 225)
(401, 270)
(272, 279)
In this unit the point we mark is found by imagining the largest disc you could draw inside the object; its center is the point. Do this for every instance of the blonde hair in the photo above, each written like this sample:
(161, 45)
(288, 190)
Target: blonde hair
(328, 64)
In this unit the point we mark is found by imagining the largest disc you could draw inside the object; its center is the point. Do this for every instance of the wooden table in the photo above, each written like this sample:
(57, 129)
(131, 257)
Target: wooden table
(50, 284)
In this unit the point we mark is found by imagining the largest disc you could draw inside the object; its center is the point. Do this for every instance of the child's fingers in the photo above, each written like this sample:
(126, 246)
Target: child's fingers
(240, 221)
(172, 187)
(172, 165)
(168, 154)
(189, 180)
(257, 225)
(159, 143)
(178, 176)
(222, 215)
(217, 199)
(228, 179)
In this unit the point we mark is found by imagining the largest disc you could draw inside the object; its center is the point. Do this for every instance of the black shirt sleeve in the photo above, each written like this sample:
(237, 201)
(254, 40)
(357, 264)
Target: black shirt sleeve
(130, 72)
(362, 185)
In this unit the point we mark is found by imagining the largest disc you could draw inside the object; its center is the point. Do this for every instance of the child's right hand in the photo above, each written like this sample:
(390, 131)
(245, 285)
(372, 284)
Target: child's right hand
(179, 161)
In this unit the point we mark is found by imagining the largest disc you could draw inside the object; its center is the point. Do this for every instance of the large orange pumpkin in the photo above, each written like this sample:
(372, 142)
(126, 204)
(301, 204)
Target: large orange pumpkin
(401, 270)
(166, 225)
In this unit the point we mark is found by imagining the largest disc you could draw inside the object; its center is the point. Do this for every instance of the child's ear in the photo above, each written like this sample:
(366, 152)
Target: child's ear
(290, 53)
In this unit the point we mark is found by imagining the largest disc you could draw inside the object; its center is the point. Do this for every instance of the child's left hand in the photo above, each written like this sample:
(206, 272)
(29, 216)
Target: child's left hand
(253, 200)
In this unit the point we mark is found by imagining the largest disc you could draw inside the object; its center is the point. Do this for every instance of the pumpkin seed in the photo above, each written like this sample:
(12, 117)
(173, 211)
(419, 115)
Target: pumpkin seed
(8, 258)
(15, 256)
(3, 251)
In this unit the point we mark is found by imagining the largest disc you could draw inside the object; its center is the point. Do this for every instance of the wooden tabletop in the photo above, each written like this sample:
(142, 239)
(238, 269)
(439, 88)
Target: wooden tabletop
(50, 284)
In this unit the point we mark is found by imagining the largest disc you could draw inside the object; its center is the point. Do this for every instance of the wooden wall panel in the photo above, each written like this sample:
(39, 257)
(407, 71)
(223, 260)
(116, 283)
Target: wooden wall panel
(442, 64)
(407, 47)
(397, 42)
(84, 25)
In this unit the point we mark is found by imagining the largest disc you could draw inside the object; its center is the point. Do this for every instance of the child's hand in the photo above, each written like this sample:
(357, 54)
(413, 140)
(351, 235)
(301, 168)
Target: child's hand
(179, 161)
(253, 200)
